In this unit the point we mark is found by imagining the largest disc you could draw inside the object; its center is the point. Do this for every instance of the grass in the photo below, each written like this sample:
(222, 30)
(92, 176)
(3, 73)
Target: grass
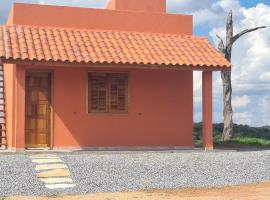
(245, 141)
(238, 141)
(244, 136)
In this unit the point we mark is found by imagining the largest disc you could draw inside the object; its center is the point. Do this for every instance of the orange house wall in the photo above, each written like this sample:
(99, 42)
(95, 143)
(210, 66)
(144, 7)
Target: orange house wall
(138, 5)
(20, 108)
(160, 111)
(15, 105)
(100, 19)
(9, 73)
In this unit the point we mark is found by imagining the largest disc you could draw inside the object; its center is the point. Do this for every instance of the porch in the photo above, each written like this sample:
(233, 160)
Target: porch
(72, 126)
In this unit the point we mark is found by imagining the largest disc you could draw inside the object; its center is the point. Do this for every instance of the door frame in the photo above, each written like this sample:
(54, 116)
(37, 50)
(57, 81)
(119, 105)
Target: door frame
(51, 135)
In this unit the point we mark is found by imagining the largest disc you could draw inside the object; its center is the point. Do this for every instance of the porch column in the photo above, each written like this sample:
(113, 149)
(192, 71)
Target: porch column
(207, 110)
(20, 108)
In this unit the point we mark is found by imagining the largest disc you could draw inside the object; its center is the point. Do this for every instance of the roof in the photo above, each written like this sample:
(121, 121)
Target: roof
(27, 43)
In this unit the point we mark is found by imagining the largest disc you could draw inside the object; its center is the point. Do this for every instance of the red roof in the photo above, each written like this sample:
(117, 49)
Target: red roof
(26, 43)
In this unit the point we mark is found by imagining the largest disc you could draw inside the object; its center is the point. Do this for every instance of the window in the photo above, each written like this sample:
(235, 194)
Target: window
(107, 92)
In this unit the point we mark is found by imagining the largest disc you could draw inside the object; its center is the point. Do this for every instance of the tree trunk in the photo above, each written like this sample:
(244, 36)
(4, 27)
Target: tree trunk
(227, 105)
(226, 50)
(227, 84)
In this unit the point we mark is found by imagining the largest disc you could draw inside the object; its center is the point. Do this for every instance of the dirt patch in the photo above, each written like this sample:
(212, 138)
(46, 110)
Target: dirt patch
(260, 191)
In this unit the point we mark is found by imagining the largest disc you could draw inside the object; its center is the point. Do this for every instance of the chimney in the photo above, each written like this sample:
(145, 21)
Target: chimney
(138, 5)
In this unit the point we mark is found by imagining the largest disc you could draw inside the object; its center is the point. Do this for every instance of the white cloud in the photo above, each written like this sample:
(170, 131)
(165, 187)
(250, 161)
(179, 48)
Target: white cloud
(251, 53)
(251, 61)
(205, 12)
(244, 118)
(41, 2)
(250, 58)
(264, 106)
(197, 77)
(183, 6)
(265, 77)
(240, 101)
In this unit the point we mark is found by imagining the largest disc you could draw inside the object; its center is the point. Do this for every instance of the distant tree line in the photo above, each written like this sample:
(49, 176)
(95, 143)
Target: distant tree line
(239, 131)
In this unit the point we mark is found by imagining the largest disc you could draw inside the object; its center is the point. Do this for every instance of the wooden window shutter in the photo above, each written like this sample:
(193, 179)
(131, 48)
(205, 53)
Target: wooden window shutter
(108, 92)
(118, 92)
(97, 92)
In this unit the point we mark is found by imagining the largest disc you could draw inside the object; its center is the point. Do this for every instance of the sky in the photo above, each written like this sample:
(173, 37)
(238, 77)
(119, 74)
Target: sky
(250, 59)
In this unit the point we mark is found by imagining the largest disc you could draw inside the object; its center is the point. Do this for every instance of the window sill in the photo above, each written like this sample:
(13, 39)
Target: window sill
(109, 114)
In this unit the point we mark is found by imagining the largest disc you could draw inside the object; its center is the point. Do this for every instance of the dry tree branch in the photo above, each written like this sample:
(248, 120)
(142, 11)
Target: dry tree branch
(237, 36)
(221, 46)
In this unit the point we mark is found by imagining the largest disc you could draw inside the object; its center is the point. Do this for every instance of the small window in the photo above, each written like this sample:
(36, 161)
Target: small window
(108, 92)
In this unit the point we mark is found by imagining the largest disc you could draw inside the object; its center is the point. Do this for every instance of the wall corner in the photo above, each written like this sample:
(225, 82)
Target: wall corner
(10, 20)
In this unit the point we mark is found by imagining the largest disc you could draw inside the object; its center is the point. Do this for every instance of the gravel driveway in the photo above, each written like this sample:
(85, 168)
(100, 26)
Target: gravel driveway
(123, 171)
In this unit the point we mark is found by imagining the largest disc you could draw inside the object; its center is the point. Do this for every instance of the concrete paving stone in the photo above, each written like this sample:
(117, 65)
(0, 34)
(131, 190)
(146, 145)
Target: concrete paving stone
(36, 156)
(54, 173)
(43, 161)
(45, 157)
(50, 166)
(59, 186)
(56, 180)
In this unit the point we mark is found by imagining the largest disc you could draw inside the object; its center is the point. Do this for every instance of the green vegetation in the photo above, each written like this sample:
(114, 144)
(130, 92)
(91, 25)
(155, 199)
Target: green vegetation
(244, 136)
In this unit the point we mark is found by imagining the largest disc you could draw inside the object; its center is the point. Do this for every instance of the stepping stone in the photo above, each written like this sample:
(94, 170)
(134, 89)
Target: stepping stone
(56, 180)
(59, 186)
(43, 156)
(54, 173)
(50, 166)
(51, 160)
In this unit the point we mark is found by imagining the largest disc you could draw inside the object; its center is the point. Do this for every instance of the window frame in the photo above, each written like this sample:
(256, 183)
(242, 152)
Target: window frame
(108, 104)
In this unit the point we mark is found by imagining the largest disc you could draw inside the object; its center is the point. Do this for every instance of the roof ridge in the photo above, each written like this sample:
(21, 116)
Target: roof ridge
(103, 30)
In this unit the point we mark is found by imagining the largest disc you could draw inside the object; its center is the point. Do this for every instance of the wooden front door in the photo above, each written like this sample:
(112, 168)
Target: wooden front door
(38, 110)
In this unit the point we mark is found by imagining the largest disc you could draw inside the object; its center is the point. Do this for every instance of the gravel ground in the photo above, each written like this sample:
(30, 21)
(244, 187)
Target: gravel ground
(125, 171)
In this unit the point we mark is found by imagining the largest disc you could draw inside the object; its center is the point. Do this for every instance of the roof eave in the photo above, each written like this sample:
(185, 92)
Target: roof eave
(113, 65)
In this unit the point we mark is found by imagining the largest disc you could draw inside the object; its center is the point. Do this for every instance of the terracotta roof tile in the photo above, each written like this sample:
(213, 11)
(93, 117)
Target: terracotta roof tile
(92, 46)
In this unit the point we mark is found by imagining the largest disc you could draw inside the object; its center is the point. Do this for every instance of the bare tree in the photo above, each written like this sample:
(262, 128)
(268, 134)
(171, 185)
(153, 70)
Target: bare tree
(226, 50)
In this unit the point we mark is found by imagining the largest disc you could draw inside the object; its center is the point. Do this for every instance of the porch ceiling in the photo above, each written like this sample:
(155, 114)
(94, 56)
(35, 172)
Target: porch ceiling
(56, 45)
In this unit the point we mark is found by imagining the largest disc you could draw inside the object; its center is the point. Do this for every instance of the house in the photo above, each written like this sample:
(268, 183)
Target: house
(120, 77)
